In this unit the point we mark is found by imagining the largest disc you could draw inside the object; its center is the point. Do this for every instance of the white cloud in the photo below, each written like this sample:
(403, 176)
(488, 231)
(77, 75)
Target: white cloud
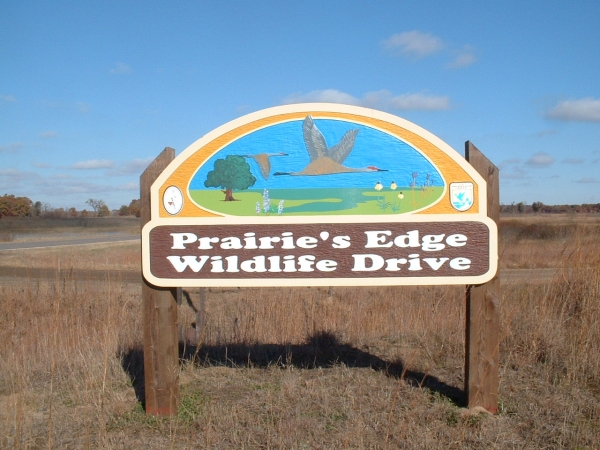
(40, 165)
(7, 98)
(540, 159)
(414, 43)
(383, 99)
(120, 69)
(516, 174)
(582, 110)
(93, 164)
(587, 180)
(12, 147)
(135, 166)
(323, 96)
(465, 58)
(49, 134)
(419, 102)
(573, 161)
(11, 179)
(129, 187)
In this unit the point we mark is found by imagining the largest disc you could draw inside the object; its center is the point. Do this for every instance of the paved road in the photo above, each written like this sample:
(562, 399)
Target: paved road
(518, 276)
(5, 246)
(506, 275)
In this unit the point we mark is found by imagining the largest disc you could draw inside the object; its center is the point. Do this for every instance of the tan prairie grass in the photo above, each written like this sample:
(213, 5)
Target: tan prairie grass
(307, 367)
(27, 228)
(106, 256)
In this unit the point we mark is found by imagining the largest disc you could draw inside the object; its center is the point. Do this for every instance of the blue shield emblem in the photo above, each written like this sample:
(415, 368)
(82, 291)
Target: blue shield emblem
(461, 196)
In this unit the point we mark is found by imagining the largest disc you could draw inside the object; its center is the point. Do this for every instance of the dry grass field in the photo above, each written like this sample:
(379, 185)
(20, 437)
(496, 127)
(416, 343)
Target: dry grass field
(304, 368)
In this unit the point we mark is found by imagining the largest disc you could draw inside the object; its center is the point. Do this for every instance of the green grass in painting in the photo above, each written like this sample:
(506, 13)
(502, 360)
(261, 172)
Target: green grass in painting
(335, 201)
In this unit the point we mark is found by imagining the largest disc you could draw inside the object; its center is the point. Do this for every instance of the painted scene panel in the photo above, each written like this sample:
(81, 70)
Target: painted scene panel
(316, 167)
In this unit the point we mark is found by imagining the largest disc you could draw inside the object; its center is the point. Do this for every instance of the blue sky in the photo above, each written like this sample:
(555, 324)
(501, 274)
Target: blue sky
(91, 92)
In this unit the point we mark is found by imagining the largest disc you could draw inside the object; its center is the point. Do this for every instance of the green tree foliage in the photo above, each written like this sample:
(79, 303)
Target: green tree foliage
(230, 173)
(12, 206)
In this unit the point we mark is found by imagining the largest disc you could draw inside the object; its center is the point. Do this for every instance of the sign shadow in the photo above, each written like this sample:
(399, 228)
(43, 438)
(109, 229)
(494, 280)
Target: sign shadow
(321, 350)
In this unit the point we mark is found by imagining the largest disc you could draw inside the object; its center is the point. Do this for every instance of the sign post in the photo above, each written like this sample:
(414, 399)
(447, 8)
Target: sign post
(482, 336)
(324, 195)
(161, 349)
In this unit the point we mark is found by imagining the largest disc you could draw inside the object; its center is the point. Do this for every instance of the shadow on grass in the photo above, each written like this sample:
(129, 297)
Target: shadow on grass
(322, 350)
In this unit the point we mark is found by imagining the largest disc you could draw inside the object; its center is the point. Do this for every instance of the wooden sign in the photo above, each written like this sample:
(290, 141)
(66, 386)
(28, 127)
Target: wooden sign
(319, 194)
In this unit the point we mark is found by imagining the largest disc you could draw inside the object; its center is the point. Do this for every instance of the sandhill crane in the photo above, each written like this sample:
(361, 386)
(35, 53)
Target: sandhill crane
(323, 159)
(262, 159)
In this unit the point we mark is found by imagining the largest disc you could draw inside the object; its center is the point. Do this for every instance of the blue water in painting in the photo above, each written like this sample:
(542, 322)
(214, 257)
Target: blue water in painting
(371, 148)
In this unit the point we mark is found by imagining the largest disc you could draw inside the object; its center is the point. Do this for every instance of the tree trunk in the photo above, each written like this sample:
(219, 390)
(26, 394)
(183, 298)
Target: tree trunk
(228, 195)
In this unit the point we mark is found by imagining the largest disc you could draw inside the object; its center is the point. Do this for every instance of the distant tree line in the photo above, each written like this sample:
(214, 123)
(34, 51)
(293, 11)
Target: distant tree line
(540, 208)
(12, 206)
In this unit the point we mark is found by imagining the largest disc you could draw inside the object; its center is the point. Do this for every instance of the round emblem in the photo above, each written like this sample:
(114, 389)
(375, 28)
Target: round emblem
(173, 200)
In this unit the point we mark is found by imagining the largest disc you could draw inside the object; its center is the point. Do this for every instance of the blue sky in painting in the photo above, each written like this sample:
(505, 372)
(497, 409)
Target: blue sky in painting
(91, 92)
(371, 148)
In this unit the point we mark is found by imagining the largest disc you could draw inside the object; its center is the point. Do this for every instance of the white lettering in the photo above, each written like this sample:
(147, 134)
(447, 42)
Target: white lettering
(411, 236)
(289, 264)
(232, 264)
(250, 241)
(274, 264)
(307, 242)
(231, 243)
(288, 240)
(435, 263)
(217, 264)
(180, 239)
(360, 263)
(181, 262)
(432, 242)
(306, 262)
(206, 241)
(341, 242)
(456, 240)
(326, 265)
(414, 263)
(460, 263)
(266, 242)
(392, 264)
(377, 238)
(256, 264)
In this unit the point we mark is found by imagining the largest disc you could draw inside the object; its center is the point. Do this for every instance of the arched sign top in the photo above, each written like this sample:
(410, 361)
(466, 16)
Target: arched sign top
(318, 160)
(318, 194)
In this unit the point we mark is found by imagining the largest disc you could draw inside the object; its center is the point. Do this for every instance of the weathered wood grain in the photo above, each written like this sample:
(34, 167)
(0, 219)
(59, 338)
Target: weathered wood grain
(161, 353)
(483, 308)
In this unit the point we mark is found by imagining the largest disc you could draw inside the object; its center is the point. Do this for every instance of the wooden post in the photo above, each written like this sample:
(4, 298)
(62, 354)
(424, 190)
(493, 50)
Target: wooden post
(483, 308)
(161, 349)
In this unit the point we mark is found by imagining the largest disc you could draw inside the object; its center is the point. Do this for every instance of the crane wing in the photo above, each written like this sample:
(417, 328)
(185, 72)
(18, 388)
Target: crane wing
(342, 149)
(314, 139)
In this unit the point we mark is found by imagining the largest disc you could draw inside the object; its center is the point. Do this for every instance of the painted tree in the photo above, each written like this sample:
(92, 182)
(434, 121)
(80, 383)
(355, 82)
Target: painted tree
(230, 173)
